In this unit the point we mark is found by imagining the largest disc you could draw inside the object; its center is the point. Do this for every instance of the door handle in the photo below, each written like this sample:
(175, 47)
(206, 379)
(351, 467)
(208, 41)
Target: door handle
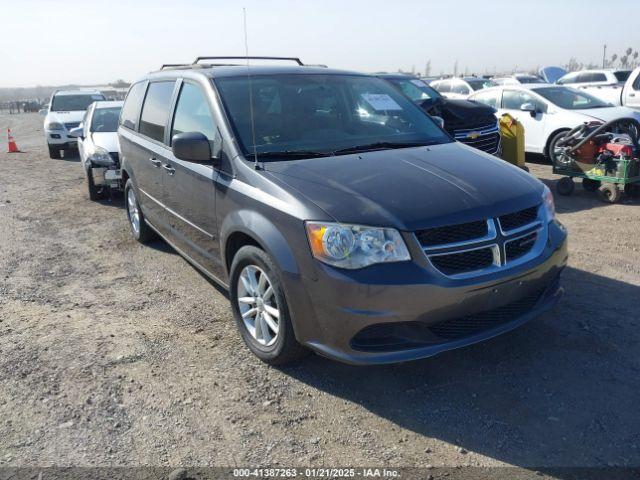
(632, 94)
(156, 163)
(170, 170)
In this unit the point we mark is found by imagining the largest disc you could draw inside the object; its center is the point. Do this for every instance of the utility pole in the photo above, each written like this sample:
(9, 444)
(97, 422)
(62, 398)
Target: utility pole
(604, 55)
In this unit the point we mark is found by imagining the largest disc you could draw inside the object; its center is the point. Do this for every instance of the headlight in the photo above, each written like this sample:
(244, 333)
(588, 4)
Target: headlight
(101, 157)
(355, 246)
(55, 126)
(549, 204)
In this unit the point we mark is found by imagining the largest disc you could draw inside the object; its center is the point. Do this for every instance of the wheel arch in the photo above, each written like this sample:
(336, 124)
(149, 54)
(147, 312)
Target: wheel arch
(244, 227)
(545, 152)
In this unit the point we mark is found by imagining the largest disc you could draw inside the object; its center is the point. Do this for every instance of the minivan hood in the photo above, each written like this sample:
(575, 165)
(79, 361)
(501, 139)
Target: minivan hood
(106, 140)
(411, 188)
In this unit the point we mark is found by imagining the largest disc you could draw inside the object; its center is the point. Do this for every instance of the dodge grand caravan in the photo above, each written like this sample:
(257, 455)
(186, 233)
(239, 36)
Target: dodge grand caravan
(340, 216)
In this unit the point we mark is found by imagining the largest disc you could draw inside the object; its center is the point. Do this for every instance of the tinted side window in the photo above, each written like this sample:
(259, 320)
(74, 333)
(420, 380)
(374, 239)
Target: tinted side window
(513, 100)
(491, 98)
(460, 88)
(584, 78)
(193, 114)
(443, 87)
(571, 78)
(155, 111)
(131, 110)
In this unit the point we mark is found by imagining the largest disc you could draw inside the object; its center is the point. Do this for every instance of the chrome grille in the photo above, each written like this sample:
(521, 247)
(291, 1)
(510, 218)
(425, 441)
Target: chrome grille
(476, 248)
(71, 125)
(485, 138)
(452, 233)
(465, 261)
(520, 246)
(516, 220)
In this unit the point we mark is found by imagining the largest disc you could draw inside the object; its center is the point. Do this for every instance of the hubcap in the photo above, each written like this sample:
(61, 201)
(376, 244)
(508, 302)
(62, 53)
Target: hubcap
(134, 213)
(258, 306)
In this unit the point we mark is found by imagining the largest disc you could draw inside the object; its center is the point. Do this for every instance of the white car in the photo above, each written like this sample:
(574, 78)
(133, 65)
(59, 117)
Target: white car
(98, 147)
(67, 107)
(604, 84)
(548, 111)
(460, 88)
(517, 79)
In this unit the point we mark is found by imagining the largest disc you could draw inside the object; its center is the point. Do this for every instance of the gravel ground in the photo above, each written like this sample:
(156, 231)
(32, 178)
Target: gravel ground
(112, 353)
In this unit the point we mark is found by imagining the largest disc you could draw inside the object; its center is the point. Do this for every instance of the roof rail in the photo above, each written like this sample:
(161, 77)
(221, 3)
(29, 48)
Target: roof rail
(244, 57)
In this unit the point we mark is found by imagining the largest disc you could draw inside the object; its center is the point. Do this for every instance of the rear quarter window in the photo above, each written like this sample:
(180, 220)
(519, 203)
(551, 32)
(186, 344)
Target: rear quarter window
(131, 109)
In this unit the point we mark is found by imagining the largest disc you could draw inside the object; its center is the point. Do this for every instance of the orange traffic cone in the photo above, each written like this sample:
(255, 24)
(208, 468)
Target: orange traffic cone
(13, 148)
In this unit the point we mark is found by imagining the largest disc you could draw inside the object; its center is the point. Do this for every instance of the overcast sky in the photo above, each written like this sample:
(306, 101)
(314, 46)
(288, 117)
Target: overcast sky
(50, 42)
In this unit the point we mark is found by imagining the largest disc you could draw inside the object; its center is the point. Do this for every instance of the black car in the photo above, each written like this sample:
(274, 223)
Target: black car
(339, 216)
(468, 122)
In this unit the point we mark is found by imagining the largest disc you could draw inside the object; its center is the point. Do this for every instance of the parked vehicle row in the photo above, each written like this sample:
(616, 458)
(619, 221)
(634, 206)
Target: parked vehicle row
(468, 122)
(65, 113)
(548, 111)
(617, 87)
(341, 218)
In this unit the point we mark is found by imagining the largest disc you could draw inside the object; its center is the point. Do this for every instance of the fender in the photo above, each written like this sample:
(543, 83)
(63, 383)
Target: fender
(264, 232)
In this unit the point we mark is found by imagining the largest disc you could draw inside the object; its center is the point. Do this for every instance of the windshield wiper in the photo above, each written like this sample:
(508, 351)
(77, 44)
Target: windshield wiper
(291, 154)
(381, 146)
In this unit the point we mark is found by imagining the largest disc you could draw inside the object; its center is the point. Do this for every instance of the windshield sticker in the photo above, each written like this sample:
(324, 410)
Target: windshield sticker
(381, 101)
(419, 83)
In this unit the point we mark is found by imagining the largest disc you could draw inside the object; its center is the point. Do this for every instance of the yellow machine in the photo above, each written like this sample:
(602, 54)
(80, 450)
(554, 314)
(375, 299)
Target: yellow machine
(512, 133)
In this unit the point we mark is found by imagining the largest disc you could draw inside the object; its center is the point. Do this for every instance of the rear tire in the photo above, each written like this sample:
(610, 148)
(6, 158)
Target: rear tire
(281, 348)
(590, 185)
(565, 186)
(139, 228)
(609, 193)
(55, 152)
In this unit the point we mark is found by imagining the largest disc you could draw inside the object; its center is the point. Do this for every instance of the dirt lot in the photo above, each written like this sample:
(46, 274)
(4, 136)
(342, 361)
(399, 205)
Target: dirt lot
(112, 353)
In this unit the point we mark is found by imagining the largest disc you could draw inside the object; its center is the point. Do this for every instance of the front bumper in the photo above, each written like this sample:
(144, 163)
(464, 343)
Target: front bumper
(333, 308)
(61, 138)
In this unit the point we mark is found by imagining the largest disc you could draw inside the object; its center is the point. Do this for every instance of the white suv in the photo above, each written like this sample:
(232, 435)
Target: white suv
(66, 110)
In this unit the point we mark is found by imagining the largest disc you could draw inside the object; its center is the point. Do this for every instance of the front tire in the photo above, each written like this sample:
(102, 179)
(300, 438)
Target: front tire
(95, 192)
(561, 161)
(55, 152)
(139, 228)
(260, 308)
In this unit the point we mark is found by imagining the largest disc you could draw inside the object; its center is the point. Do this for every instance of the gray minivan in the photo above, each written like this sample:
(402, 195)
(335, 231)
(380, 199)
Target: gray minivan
(340, 216)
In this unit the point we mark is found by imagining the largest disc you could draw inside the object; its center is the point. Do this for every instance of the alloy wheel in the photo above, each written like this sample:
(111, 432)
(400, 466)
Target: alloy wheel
(258, 306)
(134, 212)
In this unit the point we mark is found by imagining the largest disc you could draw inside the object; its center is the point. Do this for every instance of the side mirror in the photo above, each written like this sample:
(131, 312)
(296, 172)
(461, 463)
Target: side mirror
(77, 132)
(191, 147)
(529, 107)
(43, 111)
(438, 120)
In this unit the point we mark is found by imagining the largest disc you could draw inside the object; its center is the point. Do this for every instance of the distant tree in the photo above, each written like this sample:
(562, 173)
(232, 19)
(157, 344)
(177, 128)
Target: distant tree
(614, 57)
(573, 65)
(624, 60)
(120, 83)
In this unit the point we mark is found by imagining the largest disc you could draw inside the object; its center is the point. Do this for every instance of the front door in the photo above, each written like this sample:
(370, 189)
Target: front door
(190, 188)
(533, 122)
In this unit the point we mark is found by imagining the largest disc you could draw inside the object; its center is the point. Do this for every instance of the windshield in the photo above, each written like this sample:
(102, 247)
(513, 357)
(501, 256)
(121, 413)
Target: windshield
(105, 119)
(71, 103)
(529, 79)
(322, 114)
(623, 75)
(415, 89)
(569, 98)
(480, 83)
